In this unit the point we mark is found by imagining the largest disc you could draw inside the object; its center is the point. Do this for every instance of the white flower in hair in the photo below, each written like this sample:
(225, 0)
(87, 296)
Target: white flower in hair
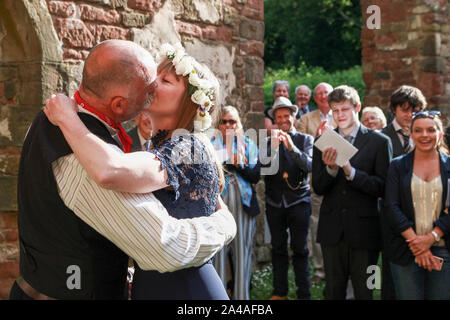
(202, 120)
(184, 67)
(168, 50)
(199, 97)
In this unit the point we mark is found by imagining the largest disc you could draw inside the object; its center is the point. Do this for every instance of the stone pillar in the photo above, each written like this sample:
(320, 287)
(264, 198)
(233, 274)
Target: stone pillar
(412, 47)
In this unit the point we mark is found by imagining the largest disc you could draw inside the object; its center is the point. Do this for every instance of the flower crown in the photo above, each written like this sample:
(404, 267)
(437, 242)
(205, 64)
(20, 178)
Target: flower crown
(201, 84)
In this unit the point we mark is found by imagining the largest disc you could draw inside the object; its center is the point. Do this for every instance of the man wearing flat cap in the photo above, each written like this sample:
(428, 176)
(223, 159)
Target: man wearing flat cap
(288, 200)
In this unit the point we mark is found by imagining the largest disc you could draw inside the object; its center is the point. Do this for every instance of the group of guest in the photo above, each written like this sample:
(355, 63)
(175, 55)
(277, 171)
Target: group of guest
(367, 205)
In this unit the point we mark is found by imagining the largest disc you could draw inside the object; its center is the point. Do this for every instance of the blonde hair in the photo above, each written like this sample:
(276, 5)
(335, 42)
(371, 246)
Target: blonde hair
(235, 113)
(378, 112)
(188, 111)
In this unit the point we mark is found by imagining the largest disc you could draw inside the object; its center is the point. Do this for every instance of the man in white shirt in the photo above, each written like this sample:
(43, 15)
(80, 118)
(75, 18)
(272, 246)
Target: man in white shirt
(75, 237)
(313, 123)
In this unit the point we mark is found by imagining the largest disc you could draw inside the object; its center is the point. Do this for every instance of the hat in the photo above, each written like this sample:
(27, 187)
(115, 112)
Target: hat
(282, 102)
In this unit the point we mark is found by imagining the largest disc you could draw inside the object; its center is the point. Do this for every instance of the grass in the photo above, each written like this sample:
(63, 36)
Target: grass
(262, 285)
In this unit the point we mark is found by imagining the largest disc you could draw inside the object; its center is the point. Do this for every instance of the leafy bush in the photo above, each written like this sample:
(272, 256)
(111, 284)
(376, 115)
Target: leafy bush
(311, 76)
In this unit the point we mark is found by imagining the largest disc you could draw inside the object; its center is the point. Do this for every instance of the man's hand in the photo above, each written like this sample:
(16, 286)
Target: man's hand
(274, 139)
(286, 139)
(329, 156)
(60, 108)
(347, 167)
(323, 126)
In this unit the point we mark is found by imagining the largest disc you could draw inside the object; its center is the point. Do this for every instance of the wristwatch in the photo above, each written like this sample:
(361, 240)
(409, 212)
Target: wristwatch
(436, 236)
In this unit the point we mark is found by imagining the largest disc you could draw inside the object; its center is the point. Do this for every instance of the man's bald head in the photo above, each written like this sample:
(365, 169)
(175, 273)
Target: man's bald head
(114, 66)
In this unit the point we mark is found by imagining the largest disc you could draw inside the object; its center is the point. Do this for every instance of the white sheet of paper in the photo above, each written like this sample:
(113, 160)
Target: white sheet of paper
(330, 138)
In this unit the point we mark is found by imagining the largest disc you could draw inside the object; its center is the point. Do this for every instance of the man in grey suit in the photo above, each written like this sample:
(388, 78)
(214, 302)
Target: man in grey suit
(140, 134)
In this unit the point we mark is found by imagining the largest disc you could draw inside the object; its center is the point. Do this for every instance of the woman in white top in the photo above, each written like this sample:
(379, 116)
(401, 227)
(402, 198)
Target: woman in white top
(416, 214)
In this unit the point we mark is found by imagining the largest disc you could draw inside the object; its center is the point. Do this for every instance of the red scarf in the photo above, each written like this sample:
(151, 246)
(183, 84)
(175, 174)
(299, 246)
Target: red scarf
(123, 136)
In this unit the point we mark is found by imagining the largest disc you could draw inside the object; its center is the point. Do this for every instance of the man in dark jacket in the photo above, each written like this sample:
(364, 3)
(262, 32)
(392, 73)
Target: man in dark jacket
(140, 134)
(288, 200)
(349, 230)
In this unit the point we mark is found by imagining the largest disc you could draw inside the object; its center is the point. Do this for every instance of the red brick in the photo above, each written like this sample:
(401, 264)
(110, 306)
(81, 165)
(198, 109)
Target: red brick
(9, 269)
(217, 33)
(5, 287)
(431, 83)
(252, 14)
(74, 33)
(145, 5)
(257, 106)
(91, 13)
(256, 4)
(10, 235)
(61, 9)
(104, 32)
(72, 54)
(8, 221)
(188, 29)
(368, 78)
(256, 48)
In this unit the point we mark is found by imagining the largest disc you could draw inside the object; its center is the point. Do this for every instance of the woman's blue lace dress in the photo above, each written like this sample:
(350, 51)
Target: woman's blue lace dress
(193, 192)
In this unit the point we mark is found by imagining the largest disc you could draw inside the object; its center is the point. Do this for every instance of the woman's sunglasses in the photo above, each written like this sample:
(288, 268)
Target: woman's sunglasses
(231, 121)
(426, 114)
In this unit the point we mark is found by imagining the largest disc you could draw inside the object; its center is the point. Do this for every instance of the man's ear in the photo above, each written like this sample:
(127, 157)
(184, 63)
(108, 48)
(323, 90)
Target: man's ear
(119, 105)
(358, 108)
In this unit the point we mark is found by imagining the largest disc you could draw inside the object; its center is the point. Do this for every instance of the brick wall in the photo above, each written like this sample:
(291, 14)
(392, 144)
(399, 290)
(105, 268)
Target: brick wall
(411, 47)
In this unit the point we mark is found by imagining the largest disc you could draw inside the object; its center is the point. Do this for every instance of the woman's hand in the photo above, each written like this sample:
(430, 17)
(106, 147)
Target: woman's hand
(419, 244)
(60, 108)
(426, 261)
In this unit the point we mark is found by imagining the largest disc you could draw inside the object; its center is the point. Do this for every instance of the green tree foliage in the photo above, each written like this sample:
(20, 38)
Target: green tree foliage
(311, 76)
(324, 33)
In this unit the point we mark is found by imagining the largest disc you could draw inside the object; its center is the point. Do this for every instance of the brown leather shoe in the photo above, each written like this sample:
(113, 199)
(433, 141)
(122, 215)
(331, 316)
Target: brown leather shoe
(275, 297)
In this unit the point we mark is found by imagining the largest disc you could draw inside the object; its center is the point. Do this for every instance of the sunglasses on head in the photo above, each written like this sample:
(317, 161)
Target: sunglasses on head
(230, 121)
(426, 114)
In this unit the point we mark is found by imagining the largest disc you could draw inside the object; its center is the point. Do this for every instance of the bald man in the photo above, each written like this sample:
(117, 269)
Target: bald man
(75, 237)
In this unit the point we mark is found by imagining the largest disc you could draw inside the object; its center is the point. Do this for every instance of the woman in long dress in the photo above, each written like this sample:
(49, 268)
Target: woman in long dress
(240, 158)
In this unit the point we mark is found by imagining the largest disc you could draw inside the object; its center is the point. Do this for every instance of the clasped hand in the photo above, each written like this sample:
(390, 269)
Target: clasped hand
(420, 247)
(278, 137)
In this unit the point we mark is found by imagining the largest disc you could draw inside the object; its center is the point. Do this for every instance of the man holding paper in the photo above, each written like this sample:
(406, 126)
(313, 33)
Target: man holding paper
(351, 183)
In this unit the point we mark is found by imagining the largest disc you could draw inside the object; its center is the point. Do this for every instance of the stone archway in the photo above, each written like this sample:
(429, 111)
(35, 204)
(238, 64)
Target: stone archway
(30, 54)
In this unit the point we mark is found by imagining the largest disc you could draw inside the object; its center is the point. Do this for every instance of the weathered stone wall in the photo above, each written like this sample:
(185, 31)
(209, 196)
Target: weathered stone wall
(43, 45)
(411, 47)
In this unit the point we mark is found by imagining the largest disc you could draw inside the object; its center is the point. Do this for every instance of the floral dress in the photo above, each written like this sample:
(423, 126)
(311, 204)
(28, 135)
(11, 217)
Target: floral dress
(193, 192)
